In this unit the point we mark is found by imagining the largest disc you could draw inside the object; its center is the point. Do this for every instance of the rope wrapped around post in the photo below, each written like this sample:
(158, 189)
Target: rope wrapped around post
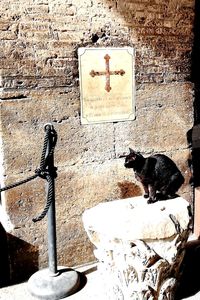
(54, 282)
(46, 169)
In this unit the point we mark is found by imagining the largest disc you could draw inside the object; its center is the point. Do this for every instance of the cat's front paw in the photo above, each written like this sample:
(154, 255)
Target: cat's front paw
(146, 195)
(151, 200)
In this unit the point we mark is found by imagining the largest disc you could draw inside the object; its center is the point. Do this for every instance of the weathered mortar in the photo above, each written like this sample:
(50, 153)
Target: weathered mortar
(39, 81)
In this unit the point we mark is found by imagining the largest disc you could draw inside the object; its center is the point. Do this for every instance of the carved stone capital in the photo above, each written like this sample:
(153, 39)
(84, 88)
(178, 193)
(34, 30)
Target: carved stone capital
(139, 246)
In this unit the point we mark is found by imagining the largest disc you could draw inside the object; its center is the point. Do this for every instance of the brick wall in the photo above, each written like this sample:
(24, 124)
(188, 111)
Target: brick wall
(39, 83)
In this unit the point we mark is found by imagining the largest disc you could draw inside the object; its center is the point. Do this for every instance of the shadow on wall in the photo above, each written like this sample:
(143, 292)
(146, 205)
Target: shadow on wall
(4, 261)
(23, 259)
(18, 259)
(196, 63)
(159, 56)
(194, 134)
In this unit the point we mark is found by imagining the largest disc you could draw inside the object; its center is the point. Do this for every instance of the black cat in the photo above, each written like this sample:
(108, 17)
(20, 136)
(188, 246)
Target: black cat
(157, 173)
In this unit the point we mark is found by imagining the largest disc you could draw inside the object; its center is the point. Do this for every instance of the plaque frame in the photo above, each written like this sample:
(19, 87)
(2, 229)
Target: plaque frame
(106, 74)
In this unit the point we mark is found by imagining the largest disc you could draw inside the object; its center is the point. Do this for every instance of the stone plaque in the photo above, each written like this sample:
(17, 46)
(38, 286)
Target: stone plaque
(107, 84)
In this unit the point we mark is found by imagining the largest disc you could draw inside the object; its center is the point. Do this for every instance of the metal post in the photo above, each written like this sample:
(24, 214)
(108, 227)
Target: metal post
(51, 215)
(52, 247)
(55, 282)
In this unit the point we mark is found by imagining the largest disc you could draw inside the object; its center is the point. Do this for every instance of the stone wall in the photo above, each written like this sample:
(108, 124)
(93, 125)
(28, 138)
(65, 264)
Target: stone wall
(40, 83)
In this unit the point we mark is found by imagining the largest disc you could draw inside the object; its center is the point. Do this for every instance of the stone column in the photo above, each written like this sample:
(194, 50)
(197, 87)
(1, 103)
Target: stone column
(139, 246)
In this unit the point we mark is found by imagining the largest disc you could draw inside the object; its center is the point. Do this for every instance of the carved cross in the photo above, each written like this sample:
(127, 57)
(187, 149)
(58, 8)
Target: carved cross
(107, 73)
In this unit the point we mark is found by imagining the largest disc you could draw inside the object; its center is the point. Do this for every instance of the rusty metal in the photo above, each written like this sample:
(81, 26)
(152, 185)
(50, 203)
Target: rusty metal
(107, 73)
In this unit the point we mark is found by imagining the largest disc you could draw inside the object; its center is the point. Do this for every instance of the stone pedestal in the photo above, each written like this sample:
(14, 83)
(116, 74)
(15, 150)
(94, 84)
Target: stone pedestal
(139, 246)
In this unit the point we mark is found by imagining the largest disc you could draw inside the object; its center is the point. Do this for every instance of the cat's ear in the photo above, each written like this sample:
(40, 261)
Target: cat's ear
(131, 151)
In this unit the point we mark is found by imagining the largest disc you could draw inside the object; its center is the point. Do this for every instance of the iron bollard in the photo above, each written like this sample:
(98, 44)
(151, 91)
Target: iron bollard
(52, 283)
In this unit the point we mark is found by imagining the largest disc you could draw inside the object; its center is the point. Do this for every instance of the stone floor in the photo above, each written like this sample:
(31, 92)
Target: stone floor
(92, 288)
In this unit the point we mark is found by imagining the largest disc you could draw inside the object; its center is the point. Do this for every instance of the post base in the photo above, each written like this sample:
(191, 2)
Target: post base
(45, 285)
